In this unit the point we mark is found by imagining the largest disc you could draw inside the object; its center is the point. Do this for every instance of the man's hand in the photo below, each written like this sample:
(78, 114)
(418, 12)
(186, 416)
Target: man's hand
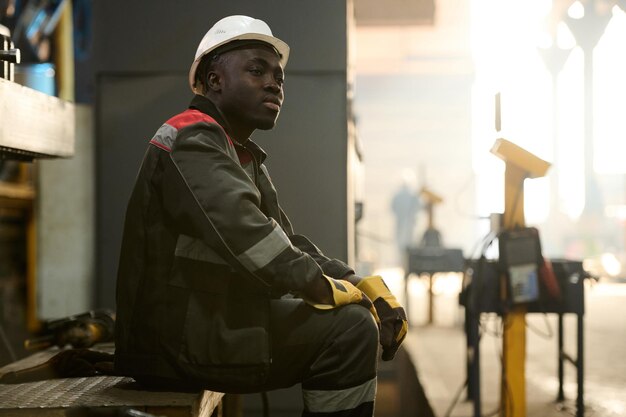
(393, 321)
(341, 293)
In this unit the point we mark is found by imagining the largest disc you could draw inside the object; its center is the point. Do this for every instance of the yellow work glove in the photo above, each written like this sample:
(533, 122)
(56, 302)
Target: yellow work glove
(393, 321)
(344, 293)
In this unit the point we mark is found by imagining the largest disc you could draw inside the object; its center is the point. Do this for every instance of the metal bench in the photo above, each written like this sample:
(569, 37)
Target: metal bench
(62, 396)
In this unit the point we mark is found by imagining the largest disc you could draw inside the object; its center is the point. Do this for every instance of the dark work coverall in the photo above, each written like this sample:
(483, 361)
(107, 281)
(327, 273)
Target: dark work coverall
(208, 268)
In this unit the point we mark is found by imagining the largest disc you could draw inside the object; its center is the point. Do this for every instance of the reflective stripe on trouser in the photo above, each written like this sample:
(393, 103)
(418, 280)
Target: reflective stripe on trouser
(331, 401)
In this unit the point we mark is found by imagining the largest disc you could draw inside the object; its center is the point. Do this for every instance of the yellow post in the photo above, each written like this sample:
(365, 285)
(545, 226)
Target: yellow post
(520, 165)
(64, 57)
(513, 389)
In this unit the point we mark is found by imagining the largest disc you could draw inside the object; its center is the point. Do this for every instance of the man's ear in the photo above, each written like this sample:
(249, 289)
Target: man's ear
(213, 81)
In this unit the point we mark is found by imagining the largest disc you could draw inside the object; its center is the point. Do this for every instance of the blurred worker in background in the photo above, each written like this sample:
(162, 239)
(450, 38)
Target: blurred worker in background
(214, 289)
(405, 205)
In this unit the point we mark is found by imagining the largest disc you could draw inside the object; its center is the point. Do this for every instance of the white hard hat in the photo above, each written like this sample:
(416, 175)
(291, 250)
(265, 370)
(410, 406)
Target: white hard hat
(234, 28)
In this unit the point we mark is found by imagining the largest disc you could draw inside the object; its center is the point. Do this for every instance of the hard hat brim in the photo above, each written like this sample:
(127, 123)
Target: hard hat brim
(281, 47)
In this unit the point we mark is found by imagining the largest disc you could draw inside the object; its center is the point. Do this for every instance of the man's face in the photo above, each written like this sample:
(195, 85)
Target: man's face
(252, 87)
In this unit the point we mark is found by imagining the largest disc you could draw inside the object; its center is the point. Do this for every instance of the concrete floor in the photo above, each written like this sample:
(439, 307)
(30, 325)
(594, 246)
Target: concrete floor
(438, 351)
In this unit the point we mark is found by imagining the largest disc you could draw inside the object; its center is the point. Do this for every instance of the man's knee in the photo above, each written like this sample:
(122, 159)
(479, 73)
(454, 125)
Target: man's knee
(363, 328)
(343, 378)
(349, 357)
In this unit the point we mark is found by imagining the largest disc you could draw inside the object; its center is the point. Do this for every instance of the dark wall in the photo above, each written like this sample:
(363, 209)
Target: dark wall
(130, 36)
(141, 54)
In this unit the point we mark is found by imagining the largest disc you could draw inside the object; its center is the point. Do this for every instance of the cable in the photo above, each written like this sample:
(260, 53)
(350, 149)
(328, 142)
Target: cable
(473, 306)
(547, 335)
(455, 399)
(482, 241)
(479, 282)
(505, 322)
(457, 208)
(477, 269)
(494, 333)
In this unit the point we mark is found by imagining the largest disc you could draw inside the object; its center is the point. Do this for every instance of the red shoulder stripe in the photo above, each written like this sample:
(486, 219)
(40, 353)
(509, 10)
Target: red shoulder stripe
(191, 116)
(188, 117)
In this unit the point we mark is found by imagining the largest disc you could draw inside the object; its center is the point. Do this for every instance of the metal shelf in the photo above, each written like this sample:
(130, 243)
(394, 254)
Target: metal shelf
(34, 124)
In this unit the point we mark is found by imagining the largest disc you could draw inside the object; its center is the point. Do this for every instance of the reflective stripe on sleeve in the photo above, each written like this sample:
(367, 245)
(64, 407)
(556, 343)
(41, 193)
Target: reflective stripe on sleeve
(323, 401)
(265, 250)
(165, 136)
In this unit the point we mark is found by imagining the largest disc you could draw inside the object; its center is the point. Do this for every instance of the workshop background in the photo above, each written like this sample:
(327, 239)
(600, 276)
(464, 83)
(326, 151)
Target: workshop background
(400, 103)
